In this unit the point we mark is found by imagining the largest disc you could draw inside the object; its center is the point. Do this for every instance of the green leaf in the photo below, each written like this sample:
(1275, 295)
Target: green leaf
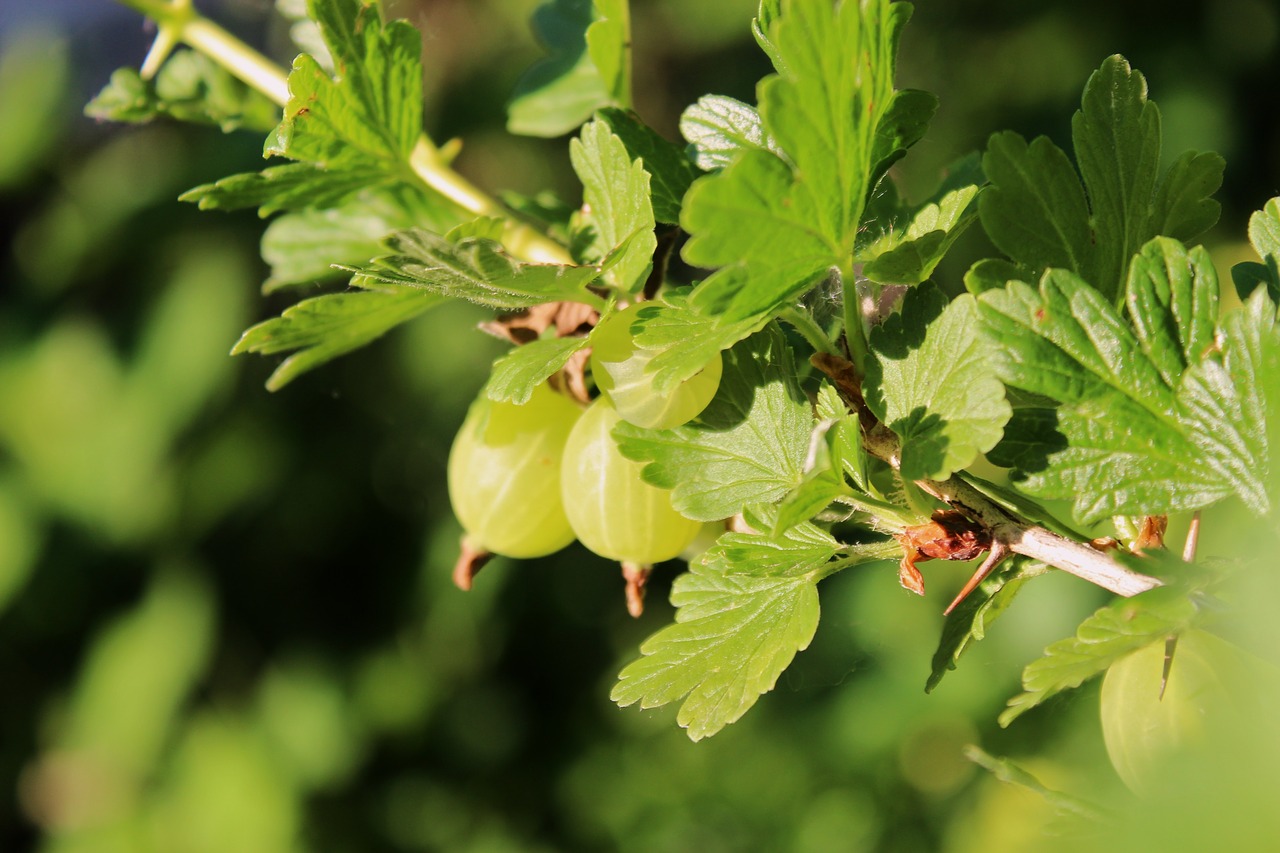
(670, 171)
(562, 90)
(968, 622)
(902, 126)
(786, 220)
(993, 274)
(371, 111)
(325, 327)
(835, 448)
(476, 269)
(616, 203)
(1121, 627)
(688, 335)
(189, 87)
(1172, 298)
(747, 447)
(742, 612)
(825, 110)
(609, 46)
(303, 247)
(1264, 234)
(931, 380)
(1037, 211)
(910, 255)
(296, 185)
(1127, 432)
(517, 373)
(717, 127)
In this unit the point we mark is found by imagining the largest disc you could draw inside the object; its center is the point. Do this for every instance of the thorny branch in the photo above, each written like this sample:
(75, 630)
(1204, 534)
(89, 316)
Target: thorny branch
(1009, 534)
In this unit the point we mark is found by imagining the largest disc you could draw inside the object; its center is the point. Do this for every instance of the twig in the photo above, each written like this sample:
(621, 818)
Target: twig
(1014, 534)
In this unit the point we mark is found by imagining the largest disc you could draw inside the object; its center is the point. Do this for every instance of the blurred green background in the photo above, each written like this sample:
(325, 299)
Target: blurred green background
(226, 620)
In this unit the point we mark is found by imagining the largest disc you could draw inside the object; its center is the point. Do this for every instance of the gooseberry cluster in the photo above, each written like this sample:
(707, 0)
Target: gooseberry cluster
(527, 480)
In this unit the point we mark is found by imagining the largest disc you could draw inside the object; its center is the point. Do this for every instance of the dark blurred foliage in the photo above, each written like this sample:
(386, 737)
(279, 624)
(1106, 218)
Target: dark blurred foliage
(226, 622)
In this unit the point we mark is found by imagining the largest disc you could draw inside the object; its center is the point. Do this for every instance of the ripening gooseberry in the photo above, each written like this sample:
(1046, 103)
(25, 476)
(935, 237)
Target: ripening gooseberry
(1141, 728)
(614, 512)
(504, 474)
(618, 365)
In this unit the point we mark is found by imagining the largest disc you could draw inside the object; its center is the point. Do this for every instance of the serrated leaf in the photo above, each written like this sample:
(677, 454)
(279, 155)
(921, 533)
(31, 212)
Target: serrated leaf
(670, 171)
(1037, 211)
(747, 447)
(609, 44)
(1172, 298)
(304, 246)
(517, 373)
(910, 255)
(931, 381)
(188, 87)
(289, 187)
(787, 219)
(742, 612)
(723, 661)
(717, 127)
(1125, 438)
(1264, 235)
(687, 335)
(475, 269)
(615, 190)
(562, 90)
(969, 621)
(1121, 627)
(825, 110)
(371, 111)
(325, 327)
(993, 274)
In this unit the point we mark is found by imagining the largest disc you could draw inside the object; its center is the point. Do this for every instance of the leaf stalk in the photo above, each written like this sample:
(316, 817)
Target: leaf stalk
(178, 21)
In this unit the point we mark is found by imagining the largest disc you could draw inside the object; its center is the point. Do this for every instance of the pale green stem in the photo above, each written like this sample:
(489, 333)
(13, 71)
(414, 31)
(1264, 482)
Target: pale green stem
(855, 326)
(812, 332)
(177, 21)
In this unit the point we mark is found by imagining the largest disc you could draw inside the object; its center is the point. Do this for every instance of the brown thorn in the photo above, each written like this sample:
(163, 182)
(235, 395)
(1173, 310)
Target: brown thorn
(470, 561)
(999, 551)
(1170, 646)
(1193, 539)
(636, 576)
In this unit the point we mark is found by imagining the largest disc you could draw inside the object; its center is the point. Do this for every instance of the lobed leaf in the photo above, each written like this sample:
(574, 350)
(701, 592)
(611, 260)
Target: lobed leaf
(517, 373)
(670, 172)
(717, 128)
(476, 269)
(688, 335)
(324, 327)
(1129, 430)
(785, 219)
(289, 187)
(742, 612)
(1121, 627)
(616, 206)
(1264, 235)
(931, 380)
(1039, 214)
(562, 90)
(747, 447)
(188, 87)
(371, 112)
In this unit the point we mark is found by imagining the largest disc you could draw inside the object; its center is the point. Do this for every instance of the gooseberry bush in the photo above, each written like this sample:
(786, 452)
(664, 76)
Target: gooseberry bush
(736, 349)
